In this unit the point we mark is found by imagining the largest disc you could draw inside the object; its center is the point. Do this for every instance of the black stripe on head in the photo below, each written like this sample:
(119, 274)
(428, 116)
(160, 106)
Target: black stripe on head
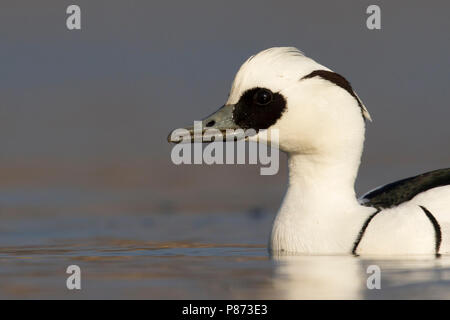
(258, 108)
(338, 80)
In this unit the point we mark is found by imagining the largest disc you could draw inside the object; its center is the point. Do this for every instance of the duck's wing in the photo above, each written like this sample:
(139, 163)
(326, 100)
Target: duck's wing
(395, 193)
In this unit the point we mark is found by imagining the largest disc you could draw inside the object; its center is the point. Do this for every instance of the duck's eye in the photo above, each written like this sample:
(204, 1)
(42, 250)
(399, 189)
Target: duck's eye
(263, 97)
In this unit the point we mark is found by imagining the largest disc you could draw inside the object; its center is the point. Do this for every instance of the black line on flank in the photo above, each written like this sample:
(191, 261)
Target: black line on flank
(338, 80)
(362, 231)
(437, 229)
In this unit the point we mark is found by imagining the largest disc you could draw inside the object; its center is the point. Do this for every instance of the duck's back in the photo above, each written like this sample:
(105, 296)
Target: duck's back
(396, 193)
(413, 216)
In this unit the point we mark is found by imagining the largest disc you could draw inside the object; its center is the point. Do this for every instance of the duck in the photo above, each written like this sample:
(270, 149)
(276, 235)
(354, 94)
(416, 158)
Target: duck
(320, 123)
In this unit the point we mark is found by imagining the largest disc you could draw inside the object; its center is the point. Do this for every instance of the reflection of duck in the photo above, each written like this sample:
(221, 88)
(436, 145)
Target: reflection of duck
(320, 121)
(318, 277)
(346, 277)
(410, 277)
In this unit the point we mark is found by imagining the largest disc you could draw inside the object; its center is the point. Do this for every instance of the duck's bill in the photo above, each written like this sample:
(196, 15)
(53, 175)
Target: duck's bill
(219, 126)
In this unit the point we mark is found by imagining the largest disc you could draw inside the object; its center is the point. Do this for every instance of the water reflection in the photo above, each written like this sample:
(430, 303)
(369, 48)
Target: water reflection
(319, 277)
(412, 277)
(345, 277)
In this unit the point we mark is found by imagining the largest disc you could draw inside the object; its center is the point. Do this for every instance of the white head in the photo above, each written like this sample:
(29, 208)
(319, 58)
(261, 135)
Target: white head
(320, 111)
(314, 109)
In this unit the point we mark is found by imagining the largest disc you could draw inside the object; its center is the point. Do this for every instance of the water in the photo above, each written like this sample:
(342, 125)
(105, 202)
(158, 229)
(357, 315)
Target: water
(196, 256)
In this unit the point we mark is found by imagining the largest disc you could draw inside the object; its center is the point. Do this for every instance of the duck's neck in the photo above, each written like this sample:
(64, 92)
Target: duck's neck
(320, 212)
(319, 177)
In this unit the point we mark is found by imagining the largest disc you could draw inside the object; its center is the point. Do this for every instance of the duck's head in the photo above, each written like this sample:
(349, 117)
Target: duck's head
(313, 108)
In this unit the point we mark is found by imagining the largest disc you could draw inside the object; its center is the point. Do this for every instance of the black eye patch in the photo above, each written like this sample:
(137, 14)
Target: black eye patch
(258, 108)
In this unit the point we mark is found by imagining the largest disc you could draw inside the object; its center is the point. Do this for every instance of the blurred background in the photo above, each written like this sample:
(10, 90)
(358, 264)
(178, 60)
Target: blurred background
(84, 115)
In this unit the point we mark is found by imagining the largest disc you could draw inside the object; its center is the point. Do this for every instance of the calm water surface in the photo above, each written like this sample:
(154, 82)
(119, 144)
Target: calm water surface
(200, 256)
